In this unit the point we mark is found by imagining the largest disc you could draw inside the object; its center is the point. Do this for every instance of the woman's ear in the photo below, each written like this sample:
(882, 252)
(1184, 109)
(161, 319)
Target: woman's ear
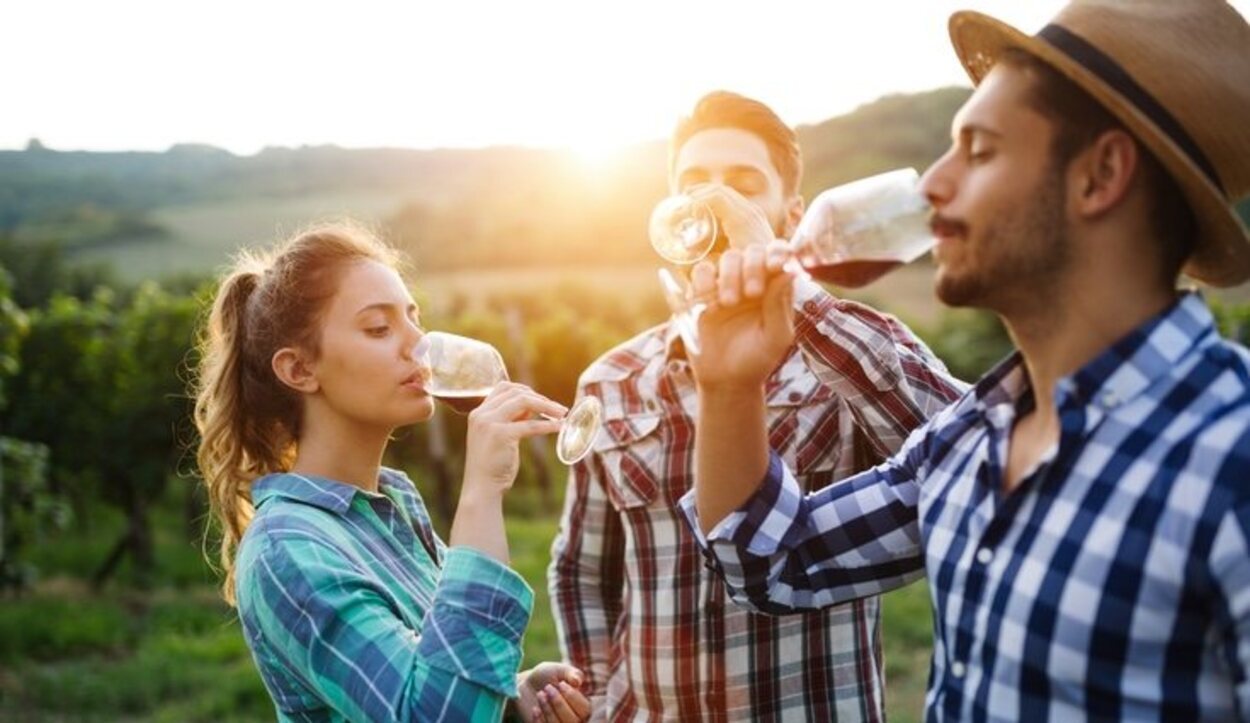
(291, 368)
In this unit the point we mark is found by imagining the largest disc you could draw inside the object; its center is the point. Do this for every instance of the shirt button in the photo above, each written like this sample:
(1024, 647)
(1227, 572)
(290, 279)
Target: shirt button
(795, 396)
(650, 405)
(810, 307)
(984, 555)
(958, 669)
(1110, 399)
(674, 366)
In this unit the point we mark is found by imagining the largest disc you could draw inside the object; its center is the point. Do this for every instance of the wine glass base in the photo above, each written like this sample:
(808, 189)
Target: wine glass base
(580, 428)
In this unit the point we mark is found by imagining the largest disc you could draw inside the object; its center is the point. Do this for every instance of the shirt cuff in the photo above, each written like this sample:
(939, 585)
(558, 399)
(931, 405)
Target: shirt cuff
(762, 523)
(480, 613)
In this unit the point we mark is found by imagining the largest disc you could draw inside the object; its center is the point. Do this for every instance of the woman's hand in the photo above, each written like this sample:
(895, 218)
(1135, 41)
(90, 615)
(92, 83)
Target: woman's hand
(510, 413)
(550, 692)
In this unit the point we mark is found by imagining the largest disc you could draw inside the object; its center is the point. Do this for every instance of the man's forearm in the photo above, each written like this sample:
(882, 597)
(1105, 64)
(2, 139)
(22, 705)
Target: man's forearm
(731, 450)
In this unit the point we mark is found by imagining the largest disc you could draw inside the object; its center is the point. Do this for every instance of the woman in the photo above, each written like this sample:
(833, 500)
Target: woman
(352, 606)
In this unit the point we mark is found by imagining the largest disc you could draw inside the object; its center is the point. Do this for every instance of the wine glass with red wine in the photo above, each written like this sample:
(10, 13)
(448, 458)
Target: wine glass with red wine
(463, 371)
(850, 236)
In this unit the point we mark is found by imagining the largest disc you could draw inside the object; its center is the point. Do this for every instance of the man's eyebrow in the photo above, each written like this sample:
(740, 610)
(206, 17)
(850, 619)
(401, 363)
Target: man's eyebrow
(976, 129)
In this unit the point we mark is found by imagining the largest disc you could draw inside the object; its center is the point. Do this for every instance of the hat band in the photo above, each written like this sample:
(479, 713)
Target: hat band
(1110, 72)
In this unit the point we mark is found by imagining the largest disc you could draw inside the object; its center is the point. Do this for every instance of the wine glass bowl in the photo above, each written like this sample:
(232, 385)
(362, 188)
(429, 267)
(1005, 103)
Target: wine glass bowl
(850, 236)
(682, 230)
(462, 372)
(853, 234)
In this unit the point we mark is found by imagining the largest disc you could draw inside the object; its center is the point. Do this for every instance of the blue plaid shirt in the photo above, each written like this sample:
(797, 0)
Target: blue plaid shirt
(1113, 583)
(354, 610)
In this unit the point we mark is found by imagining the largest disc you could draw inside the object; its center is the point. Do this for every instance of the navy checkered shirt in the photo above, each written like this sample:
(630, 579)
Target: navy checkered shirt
(1112, 583)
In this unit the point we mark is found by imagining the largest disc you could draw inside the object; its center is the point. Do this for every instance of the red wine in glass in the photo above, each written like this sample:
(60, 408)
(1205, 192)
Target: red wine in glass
(461, 402)
(853, 273)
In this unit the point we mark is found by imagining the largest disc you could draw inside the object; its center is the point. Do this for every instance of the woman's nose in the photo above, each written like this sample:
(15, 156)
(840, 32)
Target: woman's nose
(419, 348)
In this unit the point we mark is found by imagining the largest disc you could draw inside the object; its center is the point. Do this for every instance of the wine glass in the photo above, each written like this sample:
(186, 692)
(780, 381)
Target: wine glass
(682, 229)
(850, 236)
(463, 371)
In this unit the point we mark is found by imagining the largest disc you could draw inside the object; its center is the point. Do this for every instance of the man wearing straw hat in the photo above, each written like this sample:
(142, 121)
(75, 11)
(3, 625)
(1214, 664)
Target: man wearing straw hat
(1083, 513)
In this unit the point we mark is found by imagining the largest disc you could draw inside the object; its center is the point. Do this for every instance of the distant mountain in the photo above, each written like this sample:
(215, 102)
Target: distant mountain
(185, 208)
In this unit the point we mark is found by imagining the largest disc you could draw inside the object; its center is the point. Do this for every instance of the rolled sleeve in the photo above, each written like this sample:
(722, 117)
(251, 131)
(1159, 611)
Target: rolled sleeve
(783, 551)
(479, 617)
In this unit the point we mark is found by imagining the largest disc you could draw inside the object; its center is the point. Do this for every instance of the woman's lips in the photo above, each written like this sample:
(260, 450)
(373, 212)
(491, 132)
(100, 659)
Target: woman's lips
(416, 381)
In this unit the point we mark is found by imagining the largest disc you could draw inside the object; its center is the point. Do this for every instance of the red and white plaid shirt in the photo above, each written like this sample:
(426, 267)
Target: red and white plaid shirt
(634, 603)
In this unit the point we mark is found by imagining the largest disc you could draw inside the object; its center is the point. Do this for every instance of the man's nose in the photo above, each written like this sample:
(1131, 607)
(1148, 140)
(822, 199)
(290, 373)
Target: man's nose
(936, 184)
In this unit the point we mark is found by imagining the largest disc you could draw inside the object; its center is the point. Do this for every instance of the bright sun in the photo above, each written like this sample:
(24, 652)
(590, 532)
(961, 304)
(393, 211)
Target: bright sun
(595, 151)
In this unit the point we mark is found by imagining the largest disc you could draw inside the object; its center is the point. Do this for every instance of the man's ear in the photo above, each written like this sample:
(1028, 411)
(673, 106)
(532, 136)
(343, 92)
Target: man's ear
(1105, 172)
(293, 370)
(794, 214)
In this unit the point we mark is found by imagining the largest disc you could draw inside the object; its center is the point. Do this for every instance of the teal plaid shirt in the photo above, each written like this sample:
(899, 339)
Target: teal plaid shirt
(355, 610)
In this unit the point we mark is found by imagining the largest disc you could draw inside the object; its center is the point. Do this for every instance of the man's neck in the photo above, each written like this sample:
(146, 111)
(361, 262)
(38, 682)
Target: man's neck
(1076, 324)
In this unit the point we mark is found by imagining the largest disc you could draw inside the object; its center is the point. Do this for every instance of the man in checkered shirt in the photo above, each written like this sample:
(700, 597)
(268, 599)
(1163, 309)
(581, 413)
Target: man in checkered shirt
(637, 610)
(1083, 513)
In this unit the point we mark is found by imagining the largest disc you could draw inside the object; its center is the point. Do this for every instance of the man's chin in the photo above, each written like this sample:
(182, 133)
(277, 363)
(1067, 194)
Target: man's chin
(954, 291)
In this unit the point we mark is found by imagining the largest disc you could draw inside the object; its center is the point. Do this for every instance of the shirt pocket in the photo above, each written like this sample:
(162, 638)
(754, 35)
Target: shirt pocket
(631, 451)
(812, 430)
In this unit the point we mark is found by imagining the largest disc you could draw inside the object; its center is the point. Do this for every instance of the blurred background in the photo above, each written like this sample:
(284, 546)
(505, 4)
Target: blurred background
(512, 150)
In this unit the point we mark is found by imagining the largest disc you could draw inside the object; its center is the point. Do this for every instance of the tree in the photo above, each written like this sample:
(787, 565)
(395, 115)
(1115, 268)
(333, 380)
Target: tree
(100, 386)
(27, 508)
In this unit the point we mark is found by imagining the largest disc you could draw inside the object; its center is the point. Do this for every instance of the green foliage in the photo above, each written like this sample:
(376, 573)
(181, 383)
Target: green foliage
(969, 341)
(14, 326)
(45, 628)
(43, 270)
(119, 657)
(28, 510)
(1233, 320)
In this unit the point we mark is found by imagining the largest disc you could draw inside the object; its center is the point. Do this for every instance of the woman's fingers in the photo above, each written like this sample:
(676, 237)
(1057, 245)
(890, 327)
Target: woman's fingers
(509, 401)
(579, 703)
(528, 404)
(556, 707)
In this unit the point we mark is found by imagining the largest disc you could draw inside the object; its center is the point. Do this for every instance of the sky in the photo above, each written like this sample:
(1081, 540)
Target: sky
(587, 75)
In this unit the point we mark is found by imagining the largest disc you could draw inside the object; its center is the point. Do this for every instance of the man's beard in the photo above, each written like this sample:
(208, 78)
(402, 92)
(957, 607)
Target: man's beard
(1018, 254)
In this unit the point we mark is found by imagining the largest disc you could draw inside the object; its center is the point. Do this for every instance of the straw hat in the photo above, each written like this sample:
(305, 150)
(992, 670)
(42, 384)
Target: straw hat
(1177, 74)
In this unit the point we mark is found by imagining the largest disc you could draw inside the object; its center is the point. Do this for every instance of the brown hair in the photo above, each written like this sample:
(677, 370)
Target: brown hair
(723, 109)
(249, 421)
(1079, 120)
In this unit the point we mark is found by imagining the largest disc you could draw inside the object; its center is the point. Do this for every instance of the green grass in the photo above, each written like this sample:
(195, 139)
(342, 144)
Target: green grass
(175, 653)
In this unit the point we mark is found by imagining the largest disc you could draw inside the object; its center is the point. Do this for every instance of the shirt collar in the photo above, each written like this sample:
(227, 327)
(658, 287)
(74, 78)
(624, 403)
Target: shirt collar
(1121, 372)
(1151, 351)
(322, 492)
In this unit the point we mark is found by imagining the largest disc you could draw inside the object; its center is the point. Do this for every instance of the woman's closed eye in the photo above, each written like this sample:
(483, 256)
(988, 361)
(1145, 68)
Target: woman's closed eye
(378, 331)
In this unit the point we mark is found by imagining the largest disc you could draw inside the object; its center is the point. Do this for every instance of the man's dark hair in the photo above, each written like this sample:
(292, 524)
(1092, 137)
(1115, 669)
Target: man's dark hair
(723, 109)
(1079, 119)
